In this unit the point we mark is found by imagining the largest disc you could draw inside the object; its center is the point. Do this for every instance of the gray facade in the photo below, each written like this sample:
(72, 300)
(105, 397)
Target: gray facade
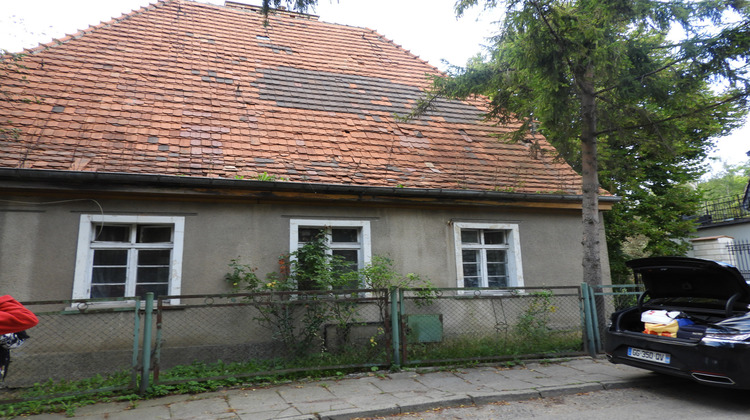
(739, 229)
(38, 248)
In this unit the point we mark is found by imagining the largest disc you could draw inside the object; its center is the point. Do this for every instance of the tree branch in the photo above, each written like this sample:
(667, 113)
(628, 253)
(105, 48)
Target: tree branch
(678, 116)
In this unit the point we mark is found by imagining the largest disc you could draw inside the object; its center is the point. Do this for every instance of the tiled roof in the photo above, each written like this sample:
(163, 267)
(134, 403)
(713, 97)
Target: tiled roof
(183, 88)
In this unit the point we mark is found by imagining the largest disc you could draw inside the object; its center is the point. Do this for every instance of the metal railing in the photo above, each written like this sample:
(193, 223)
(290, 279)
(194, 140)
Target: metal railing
(740, 251)
(722, 210)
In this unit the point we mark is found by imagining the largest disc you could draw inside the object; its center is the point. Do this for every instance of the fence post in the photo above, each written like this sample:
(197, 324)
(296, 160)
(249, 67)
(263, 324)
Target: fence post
(157, 349)
(595, 318)
(147, 320)
(588, 319)
(396, 326)
(136, 341)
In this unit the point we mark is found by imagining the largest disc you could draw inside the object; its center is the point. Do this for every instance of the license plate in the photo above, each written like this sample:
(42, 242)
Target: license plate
(651, 356)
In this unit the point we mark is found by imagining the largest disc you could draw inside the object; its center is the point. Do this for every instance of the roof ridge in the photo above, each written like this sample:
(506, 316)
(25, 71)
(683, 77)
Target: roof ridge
(92, 28)
(400, 47)
(254, 8)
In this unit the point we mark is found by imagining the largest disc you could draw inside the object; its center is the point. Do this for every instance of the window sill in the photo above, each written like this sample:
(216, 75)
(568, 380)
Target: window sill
(478, 293)
(112, 306)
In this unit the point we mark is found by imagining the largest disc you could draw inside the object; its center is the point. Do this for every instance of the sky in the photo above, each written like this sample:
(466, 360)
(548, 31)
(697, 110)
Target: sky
(427, 28)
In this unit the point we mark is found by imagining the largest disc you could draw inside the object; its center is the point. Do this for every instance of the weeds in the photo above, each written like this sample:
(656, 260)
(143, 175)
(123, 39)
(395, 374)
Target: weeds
(533, 323)
(494, 347)
(199, 377)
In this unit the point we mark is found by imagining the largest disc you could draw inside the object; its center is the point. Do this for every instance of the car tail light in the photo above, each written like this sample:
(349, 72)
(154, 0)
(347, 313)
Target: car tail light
(726, 337)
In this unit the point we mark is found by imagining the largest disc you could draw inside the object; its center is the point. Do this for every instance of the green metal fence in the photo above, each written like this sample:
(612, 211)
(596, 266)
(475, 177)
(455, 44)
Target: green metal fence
(137, 344)
(598, 303)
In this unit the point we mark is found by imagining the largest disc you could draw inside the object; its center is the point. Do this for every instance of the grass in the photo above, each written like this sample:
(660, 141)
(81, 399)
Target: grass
(498, 346)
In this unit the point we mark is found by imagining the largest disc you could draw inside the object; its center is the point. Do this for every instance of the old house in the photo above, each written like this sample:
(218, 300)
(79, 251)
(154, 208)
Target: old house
(146, 152)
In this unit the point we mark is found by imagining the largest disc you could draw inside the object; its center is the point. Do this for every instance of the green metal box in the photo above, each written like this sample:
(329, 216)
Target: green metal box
(426, 328)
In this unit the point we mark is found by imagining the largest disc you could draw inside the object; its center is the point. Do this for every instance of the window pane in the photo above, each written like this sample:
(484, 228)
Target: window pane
(471, 270)
(158, 289)
(110, 257)
(308, 234)
(494, 237)
(153, 275)
(496, 255)
(110, 266)
(108, 275)
(106, 291)
(112, 233)
(153, 234)
(471, 282)
(345, 235)
(154, 257)
(499, 282)
(470, 256)
(494, 269)
(351, 256)
(469, 236)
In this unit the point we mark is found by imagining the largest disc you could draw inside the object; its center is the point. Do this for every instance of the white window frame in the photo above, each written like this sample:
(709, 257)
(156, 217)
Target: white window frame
(515, 267)
(365, 256)
(85, 254)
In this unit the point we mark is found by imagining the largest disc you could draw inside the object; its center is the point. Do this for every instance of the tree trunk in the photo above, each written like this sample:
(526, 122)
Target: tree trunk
(592, 266)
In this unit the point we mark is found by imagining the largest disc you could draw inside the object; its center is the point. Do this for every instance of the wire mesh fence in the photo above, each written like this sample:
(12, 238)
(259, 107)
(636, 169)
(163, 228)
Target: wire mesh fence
(261, 334)
(76, 341)
(209, 337)
(482, 324)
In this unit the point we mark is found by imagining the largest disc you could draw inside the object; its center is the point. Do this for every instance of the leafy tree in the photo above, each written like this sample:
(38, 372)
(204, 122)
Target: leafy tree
(731, 181)
(606, 73)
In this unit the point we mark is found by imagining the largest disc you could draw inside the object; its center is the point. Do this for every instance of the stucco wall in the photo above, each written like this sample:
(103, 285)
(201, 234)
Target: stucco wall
(737, 230)
(38, 242)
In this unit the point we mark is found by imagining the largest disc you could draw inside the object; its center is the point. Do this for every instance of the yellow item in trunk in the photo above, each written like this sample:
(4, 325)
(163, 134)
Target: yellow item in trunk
(667, 330)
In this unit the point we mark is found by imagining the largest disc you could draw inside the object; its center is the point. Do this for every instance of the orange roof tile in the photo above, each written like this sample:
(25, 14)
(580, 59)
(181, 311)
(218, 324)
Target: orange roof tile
(195, 89)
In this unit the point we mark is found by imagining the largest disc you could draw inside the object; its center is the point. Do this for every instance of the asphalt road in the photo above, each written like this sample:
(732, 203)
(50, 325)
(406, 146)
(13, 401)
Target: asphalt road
(667, 399)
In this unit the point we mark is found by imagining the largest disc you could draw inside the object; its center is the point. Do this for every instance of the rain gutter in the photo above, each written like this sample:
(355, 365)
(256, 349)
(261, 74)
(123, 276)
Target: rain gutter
(91, 180)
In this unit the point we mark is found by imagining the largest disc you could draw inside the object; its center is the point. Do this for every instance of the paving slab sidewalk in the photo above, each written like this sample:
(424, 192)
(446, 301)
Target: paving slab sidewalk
(371, 395)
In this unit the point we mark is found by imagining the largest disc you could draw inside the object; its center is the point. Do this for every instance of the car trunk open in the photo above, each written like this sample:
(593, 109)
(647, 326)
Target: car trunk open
(705, 292)
(698, 322)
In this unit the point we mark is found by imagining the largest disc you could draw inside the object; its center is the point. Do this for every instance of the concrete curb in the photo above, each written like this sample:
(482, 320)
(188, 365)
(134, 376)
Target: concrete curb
(507, 396)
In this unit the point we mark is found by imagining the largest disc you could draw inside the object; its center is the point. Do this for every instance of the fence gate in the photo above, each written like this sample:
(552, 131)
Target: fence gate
(740, 250)
(598, 302)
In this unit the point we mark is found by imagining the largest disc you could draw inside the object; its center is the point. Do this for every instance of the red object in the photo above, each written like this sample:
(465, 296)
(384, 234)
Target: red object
(14, 317)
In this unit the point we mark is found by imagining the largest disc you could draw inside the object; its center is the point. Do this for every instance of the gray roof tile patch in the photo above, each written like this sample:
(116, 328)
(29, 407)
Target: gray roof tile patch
(325, 91)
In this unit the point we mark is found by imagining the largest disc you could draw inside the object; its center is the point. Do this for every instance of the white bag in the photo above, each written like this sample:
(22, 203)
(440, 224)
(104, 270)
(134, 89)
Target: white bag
(659, 317)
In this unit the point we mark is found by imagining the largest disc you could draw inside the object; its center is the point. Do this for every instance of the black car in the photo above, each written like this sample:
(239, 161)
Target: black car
(710, 303)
